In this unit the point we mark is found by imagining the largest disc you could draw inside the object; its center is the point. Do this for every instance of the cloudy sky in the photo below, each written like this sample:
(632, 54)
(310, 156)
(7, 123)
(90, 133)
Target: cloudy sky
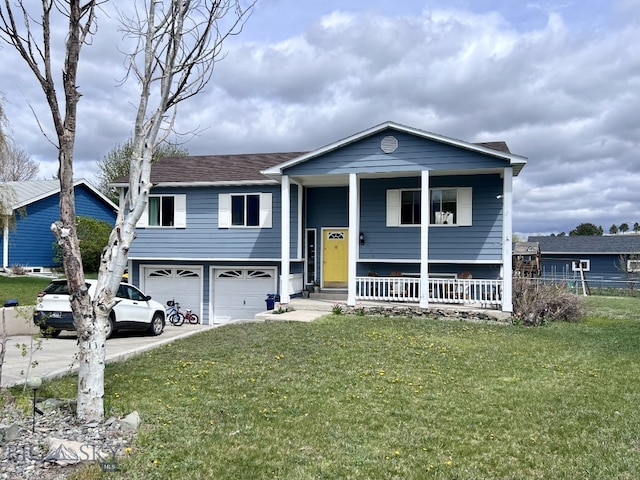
(559, 81)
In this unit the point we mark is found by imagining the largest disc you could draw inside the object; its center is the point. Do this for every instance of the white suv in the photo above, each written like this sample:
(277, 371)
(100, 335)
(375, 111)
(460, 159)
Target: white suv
(134, 310)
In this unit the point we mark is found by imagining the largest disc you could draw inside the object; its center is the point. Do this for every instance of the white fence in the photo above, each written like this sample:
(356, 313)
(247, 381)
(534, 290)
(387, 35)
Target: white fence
(441, 290)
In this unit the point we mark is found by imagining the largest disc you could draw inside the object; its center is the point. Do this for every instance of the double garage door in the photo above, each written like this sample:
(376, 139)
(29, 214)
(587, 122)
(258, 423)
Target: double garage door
(236, 293)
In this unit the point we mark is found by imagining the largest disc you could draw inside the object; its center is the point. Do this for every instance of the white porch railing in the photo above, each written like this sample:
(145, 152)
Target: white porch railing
(441, 290)
(296, 283)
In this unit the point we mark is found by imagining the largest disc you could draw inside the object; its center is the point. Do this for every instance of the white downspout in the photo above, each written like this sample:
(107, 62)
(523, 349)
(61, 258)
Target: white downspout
(424, 240)
(354, 238)
(285, 240)
(507, 248)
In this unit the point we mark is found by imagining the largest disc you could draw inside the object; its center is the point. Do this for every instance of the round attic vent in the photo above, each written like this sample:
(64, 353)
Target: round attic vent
(389, 144)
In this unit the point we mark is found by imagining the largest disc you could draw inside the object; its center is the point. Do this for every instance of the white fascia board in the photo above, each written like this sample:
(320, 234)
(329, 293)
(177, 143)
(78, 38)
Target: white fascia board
(56, 190)
(204, 184)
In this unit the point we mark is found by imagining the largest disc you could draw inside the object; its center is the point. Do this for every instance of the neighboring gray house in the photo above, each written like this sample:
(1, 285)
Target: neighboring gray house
(607, 261)
(391, 213)
(32, 207)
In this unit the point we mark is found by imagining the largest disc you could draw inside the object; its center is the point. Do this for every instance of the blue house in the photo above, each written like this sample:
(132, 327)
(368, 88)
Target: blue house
(32, 206)
(392, 213)
(606, 261)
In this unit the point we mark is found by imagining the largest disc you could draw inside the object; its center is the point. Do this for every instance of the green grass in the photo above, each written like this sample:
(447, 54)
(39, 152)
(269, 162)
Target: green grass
(359, 397)
(24, 289)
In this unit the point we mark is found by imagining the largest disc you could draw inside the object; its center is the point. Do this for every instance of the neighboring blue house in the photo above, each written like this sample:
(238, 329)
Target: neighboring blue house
(391, 213)
(608, 261)
(33, 206)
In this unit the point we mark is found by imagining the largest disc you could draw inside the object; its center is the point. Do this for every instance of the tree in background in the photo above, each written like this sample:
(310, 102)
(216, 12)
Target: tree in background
(115, 164)
(613, 229)
(177, 43)
(636, 227)
(15, 164)
(624, 227)
(93, 235)
(586, 229)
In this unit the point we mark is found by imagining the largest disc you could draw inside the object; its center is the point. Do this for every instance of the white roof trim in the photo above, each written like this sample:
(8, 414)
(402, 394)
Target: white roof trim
(513, 159)
(221, 183)
(56, 189)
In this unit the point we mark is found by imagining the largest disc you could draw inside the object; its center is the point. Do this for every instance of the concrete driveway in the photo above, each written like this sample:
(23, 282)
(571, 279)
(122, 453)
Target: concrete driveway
(57, 355)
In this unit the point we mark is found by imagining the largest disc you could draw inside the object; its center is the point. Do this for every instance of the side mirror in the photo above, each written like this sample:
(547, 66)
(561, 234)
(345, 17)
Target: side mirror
(147, 298)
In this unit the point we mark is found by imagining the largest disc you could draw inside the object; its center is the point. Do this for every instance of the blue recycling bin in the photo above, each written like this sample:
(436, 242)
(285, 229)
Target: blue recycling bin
(271, 300)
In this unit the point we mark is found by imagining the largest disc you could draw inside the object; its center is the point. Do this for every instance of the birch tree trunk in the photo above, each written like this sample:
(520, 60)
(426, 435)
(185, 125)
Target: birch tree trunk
(178, 43)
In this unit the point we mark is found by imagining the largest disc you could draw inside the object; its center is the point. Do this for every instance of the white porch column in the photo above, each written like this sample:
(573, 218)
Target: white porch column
(354, 237)
(300, 225)
(285, 240)
(5, 242)
(424, 240)
(507, 228)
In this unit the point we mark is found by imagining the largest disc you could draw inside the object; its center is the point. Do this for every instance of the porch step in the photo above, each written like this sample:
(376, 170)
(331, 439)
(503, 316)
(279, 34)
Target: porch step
(338, 296)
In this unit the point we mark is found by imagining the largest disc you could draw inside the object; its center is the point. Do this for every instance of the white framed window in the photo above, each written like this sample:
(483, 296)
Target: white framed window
(244, 210)
(448, 206)
(584, 265)
(165, 211)
(633, 265)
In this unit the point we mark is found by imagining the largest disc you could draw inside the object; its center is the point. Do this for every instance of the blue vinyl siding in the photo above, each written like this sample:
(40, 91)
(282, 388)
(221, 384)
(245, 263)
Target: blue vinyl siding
(202, 238)
(480, 241)
(31, 241)
(413, 154)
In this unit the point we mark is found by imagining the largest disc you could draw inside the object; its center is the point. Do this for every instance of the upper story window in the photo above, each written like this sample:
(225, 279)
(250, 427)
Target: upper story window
(245, 210)
(165, 211)
(161, 211)
(448, 206)
(249, 210)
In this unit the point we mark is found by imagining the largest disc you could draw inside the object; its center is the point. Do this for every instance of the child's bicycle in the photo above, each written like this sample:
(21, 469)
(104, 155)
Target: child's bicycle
(173, 314)
(177, 318)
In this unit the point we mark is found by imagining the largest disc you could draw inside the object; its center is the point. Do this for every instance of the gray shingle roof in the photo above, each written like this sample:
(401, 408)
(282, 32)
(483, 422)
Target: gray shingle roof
(215, 168)
(609, 244)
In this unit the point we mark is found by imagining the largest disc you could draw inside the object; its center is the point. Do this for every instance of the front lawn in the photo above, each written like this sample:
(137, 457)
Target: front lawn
(359, 397)
(25, 289)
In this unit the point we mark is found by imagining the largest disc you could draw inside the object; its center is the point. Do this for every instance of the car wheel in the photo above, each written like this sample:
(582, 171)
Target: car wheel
(157, 325)
(108, 329)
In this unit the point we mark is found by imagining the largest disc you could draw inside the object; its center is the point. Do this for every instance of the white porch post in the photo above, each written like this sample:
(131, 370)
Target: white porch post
(507, 227)
(424, 240)
(354, 237)
(300, 225)
(5, 242)
(285, 240)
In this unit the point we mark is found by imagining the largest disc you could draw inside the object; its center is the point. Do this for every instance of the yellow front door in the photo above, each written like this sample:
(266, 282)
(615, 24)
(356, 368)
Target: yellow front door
(335, 256)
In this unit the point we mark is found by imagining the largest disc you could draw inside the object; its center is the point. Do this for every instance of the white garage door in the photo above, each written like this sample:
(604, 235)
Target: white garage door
(182, 284)
(241, 293)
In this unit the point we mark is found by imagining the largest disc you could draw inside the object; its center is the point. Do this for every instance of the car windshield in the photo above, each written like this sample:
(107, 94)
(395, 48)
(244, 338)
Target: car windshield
(58, 288)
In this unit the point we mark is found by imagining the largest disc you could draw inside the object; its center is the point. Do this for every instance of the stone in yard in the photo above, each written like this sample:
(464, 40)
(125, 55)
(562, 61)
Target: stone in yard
(131, 422)
(9, 433)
